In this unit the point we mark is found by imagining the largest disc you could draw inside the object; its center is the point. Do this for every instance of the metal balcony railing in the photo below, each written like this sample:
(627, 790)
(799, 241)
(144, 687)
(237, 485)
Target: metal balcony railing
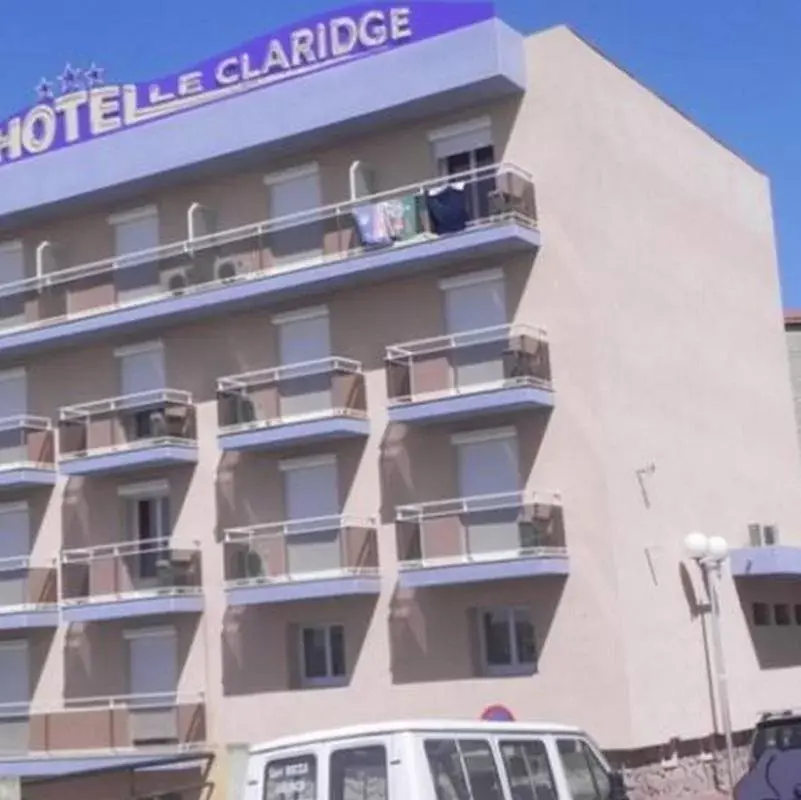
(492, 527)
(129, 570)
(301, 550)
(329, 387)
(97, 725)
(500, 193)
(467, 362)
(26, 443)
(147, 419)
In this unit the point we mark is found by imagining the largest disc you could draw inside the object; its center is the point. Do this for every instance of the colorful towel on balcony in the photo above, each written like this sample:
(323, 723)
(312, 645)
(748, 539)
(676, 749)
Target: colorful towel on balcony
(372, 224)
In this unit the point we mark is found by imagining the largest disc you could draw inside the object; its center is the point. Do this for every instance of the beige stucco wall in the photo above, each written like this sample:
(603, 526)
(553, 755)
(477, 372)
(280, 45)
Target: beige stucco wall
(657, 283)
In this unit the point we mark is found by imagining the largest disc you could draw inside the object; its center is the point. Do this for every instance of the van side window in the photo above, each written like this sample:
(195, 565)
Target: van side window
(292, 778)
(359, 773)
(463, 769)
(585, 774)
(528, 769)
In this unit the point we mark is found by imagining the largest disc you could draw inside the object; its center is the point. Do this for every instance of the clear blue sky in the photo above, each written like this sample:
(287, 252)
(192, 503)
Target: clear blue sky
(734, 66)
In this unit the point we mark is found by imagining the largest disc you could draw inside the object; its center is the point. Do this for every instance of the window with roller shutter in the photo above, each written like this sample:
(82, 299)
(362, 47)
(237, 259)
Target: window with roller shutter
(135, 232)
(12, 270)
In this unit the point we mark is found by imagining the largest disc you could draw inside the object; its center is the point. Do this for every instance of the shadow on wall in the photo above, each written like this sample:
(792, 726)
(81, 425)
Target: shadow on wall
(261, 645)
(419, 465)
(776, 643)
(433, 632)
(250, 487)
(93, 513)
(96, 655)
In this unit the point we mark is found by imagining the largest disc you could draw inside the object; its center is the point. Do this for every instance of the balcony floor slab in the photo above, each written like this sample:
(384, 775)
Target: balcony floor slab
(134, 607)
(780, 561)
(277, 436)
(291, 591)
(493, 401)
(121, 461)
(27, 477)
(501, 239)
(20, 620)
(481, 571)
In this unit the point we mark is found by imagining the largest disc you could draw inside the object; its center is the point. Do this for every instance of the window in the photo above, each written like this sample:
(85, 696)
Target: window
(464, 147)
(15, 547)
(293, 778)
(760, 613)
(463, 769)
(781, 614)
(142, 376)
(15, 688)
(304, 337)
(528, 769)
(476, 302)
(13, 403)
(586, 776)
(12, 270)
(142, 368)
(322, 654)
(293, 192)
(147, 522)
(12, 262)
(359, 773)
(152, 663)
(797, 613)
(467, 148)
(135, 232)
(508, 643)
(763, 535)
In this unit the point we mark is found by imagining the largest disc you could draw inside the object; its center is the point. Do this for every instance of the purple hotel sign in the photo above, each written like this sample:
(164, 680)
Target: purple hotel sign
(87, 112)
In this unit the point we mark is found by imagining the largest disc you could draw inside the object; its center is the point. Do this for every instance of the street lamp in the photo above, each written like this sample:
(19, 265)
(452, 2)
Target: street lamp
(709, 552)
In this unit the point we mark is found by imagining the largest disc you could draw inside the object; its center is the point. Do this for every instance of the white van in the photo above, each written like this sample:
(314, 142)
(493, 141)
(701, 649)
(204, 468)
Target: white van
(434, 760)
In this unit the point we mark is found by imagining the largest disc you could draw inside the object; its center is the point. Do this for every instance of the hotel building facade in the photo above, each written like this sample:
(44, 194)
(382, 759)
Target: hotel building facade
(384, 379)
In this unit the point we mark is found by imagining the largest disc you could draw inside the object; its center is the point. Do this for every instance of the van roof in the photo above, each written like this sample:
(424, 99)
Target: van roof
(401, 726)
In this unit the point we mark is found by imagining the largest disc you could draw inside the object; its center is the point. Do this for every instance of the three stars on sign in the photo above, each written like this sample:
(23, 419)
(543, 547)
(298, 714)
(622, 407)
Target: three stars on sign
(71, 80)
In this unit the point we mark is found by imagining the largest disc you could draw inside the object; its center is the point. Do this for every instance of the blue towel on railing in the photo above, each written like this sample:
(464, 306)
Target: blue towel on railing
(447, 208)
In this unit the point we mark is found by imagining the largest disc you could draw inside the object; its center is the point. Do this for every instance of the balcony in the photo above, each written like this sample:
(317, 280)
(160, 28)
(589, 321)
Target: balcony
(27, 453)
(130, 579)
(301, 559)
(150, 429)
(766, 561)
(484, 538)
(98, 733)
(301, 403)
(475, 373)
(28, 595)
(405, 230)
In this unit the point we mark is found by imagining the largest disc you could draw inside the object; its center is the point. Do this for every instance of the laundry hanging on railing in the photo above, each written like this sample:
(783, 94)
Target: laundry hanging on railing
(447, 208)
(387, 221)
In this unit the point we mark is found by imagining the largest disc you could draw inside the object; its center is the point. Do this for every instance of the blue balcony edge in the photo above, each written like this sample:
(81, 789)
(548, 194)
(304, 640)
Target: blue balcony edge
(781, 561)
(480, 571)
(302, 590)
(167, 455)
(134, 607)
(52, 765)
(493, 239)
(26, 477)
(275, 436)
(19, 620)
(493, 401)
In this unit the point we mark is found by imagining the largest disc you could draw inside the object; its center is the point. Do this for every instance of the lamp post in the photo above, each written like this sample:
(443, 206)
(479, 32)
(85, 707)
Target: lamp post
(709, 552)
